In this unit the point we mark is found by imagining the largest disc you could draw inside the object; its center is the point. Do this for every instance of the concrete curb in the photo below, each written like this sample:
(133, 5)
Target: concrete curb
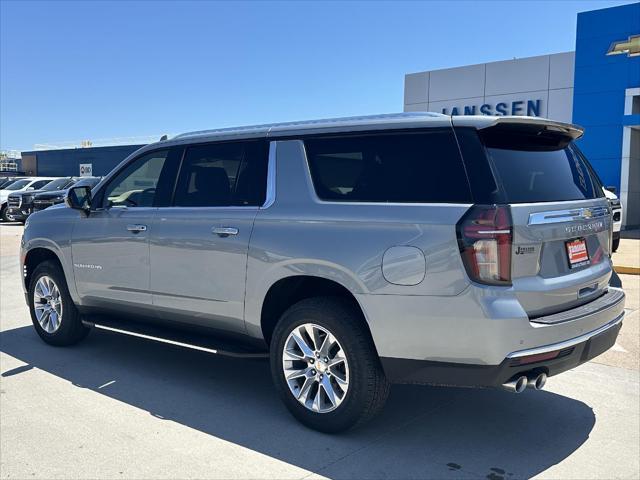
(627, 270)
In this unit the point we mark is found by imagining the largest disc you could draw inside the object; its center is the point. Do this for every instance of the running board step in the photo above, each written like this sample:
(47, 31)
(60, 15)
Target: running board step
(178, 338)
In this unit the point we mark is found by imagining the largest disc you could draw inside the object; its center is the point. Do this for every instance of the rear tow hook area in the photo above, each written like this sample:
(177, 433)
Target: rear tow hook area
(533, 380)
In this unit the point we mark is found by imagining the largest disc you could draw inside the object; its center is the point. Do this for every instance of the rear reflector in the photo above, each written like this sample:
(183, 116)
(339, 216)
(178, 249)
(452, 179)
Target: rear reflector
(485, 239)
(538, 358)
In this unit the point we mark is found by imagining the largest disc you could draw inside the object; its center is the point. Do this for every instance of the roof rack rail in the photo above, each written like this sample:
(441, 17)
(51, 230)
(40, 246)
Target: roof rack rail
(267, 127)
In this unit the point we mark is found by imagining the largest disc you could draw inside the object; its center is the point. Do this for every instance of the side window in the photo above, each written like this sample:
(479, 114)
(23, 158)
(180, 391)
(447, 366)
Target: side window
(251, 186)
(135, 185)
(419, 167)
(484, 187)
(223, 174)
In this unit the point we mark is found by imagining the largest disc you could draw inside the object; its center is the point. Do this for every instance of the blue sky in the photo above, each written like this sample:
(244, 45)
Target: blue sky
(92, 70)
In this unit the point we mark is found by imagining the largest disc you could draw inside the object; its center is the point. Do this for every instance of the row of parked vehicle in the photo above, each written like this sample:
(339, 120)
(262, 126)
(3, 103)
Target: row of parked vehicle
(21, 196)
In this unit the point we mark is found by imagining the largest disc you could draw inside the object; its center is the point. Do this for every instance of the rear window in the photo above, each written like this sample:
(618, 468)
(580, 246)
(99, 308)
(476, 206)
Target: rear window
(537, 164)
(422, 167)
(543, 176)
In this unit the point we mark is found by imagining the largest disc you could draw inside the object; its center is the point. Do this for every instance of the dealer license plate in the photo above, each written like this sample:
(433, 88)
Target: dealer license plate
(577, 253)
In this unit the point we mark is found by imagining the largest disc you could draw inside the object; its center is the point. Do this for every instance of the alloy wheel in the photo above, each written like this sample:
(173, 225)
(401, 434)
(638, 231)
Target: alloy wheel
(47, 304)
(315, 368)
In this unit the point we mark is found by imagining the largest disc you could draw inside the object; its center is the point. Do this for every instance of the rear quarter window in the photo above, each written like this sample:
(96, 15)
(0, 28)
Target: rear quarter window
(415, 167)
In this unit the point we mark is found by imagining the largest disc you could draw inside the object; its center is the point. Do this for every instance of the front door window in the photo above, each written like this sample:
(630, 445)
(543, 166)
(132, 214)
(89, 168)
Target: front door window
(135, 185)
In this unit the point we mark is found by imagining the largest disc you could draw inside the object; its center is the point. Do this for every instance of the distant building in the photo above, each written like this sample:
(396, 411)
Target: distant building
(84, 158)
(10, 161)
(97, 161)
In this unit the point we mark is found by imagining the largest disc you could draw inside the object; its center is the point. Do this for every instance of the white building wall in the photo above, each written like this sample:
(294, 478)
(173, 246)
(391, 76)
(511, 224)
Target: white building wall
(542, 85)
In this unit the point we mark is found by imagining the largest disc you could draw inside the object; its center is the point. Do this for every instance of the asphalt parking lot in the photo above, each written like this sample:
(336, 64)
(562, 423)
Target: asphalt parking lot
(119, 407)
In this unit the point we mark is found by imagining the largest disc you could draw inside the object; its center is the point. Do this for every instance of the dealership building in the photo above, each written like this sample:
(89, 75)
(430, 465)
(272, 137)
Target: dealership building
(597, 86)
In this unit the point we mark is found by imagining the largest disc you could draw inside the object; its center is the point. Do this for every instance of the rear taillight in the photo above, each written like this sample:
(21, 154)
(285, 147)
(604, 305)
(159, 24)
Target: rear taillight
(485, 236)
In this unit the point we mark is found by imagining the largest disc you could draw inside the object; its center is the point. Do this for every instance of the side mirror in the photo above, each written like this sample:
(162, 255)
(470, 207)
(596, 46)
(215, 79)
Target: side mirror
(79, 198)
(30, 188)
(612, 189)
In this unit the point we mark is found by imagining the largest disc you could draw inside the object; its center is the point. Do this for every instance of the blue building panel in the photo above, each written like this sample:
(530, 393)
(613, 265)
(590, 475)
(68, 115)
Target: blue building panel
(608, 22)
(592, 78)
(631, 119)
(633, 72)
(610, 176)
(67, 162)
(600, 84)
(599, 108)
(602, 141)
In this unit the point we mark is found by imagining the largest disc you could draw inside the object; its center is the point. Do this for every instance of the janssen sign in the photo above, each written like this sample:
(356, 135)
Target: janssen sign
(530, 108)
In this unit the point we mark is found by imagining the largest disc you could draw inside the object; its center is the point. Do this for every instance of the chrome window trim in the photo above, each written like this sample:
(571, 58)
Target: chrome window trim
(270, 197)
(395, 204)
(561, 216)
(209, 207)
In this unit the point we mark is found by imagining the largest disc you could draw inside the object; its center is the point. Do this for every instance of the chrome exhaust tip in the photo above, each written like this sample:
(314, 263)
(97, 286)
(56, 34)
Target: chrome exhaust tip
(537, 382)
(516, 384)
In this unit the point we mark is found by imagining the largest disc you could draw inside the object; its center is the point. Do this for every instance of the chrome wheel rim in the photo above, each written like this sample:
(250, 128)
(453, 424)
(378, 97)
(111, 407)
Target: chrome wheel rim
(315, 368)
(47, 304)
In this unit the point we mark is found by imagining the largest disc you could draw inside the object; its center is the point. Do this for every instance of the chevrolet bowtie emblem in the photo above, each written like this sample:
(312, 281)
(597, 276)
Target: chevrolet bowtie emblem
(631, 47)
(587, 213)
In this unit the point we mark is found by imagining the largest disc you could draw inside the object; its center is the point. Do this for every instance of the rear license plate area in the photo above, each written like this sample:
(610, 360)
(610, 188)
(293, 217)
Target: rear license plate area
(577, 253)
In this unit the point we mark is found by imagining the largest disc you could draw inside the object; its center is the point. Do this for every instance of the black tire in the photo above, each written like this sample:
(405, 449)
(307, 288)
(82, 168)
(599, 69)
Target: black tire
(3, 214)
(71, 329)
(368, 387)
(615, 244)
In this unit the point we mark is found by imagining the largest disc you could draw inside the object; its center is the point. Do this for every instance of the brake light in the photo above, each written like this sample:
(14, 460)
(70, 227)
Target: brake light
(485, 236)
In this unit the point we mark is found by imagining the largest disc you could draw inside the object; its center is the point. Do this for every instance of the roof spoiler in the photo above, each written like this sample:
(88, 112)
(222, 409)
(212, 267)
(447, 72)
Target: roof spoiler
(481, 122)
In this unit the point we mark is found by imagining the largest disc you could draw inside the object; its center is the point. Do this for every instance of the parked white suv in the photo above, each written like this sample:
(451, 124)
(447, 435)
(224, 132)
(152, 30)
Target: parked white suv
(616, 211)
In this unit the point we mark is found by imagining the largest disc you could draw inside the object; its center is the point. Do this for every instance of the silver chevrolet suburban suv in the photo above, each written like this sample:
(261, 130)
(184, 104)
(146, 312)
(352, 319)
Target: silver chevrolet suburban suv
(355, 253)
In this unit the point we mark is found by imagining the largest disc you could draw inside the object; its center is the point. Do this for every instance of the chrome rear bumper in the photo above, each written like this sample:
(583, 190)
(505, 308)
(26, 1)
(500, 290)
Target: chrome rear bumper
(567, 343)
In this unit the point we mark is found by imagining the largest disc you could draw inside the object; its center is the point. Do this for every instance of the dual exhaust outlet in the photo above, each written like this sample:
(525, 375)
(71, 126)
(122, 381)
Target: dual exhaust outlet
(519, 383)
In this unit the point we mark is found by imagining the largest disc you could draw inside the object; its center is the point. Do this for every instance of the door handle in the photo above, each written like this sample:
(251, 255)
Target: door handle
(137, 228)
(224, 231)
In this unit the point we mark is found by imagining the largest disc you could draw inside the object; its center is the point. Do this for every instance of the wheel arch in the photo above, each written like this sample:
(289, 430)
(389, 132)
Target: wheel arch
(35, 257)
(289, 290)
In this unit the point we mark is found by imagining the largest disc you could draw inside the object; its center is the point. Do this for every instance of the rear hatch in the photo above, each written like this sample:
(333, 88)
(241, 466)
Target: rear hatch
(560, 219)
